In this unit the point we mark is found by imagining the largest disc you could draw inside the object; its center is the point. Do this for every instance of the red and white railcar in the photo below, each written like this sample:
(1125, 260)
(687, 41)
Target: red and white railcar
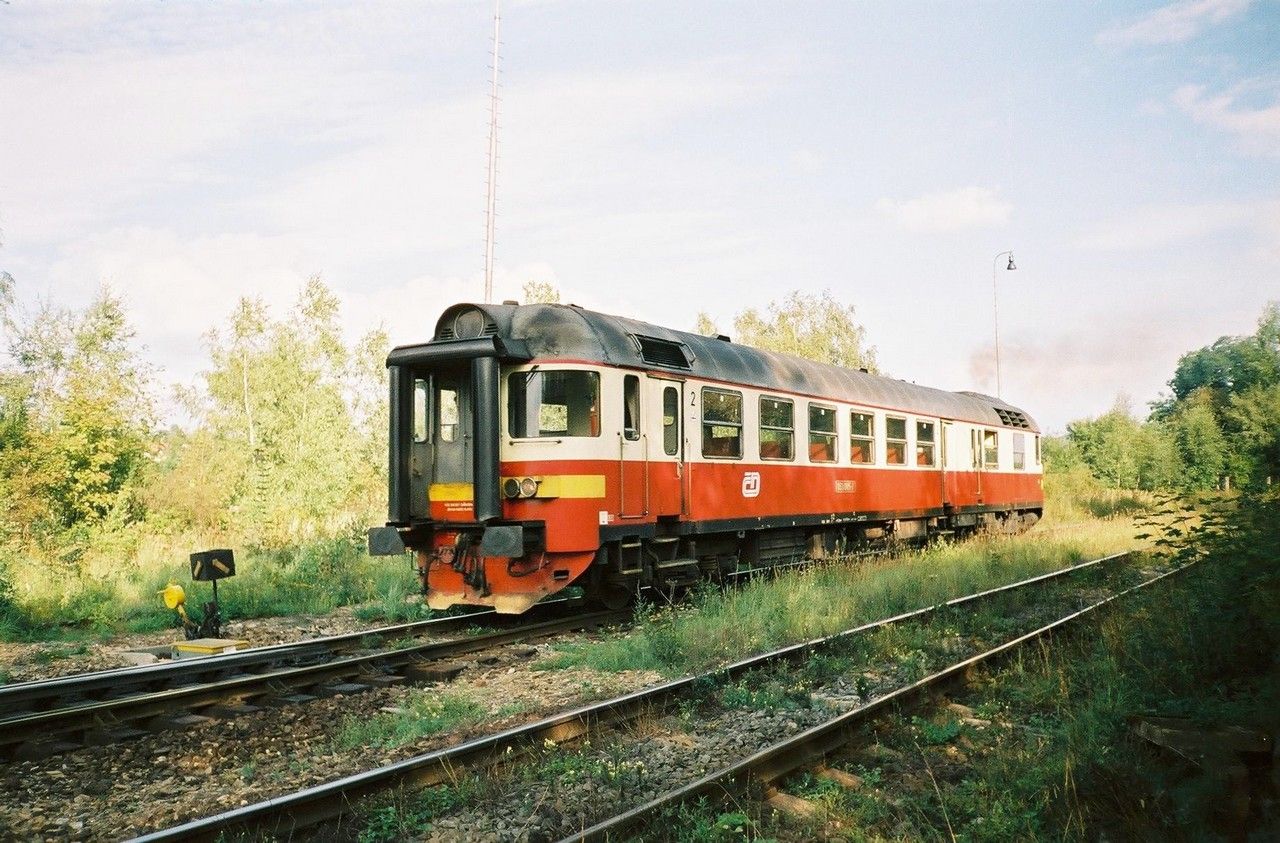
(540, 445)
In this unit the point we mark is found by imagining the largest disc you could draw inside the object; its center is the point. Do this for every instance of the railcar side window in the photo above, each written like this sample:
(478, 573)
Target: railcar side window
(924, 443)
(1038, 451)
(1019, 451)
(553, 403)
(777, 429)
(822, 433)
(420, 421)
(895, 437)
(670, 421)
(862, 438)
(990, 449)
(631, 407)
(721, 423)
(448, 404)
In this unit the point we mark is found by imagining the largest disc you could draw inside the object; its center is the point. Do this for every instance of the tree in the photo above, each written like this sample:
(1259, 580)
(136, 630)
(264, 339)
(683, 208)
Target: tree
(294, 420)
(1252, 422)
(1221, 394)
(1108, 446)
(1200, 442)
(810, 325)
(76, 419)
(1233, 364)
(540, 292)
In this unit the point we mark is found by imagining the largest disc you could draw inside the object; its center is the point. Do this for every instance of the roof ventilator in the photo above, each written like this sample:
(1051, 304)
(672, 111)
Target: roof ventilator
(1012, 418)
(662, 352)
(469, 323)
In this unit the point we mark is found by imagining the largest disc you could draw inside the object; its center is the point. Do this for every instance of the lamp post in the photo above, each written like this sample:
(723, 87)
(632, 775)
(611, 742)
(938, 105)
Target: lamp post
(995, 308)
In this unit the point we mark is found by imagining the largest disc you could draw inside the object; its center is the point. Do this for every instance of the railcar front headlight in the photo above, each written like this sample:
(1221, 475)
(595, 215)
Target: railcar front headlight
(528, 487)
(511, 487)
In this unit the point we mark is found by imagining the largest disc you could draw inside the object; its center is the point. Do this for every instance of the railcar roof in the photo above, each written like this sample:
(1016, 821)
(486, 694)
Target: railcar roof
(571, 332)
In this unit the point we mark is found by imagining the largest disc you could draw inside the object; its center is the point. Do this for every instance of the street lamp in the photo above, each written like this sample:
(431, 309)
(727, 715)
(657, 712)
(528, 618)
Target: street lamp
(995, 308)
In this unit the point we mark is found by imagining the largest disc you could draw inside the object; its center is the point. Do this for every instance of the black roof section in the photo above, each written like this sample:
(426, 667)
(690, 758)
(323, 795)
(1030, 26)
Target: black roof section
(550, 331)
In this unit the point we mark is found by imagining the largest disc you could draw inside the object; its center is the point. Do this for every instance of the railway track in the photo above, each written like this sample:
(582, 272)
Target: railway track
(809, 749)
(284, 815)
(49, 716)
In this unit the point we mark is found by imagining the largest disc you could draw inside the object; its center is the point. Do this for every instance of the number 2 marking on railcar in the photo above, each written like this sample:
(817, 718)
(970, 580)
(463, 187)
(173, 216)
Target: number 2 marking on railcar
(751, 484)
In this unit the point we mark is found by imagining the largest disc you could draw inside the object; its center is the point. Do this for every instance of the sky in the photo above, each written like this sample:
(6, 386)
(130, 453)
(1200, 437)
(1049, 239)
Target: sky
(661, 159)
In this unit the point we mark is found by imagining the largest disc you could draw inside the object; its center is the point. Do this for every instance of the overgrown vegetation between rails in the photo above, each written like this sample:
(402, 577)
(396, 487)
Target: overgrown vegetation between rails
(1044, 746)
(425, 713)
(722, 626)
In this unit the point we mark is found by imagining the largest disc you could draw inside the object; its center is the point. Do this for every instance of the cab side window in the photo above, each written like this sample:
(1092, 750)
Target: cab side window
(631, 407)
(990, 449)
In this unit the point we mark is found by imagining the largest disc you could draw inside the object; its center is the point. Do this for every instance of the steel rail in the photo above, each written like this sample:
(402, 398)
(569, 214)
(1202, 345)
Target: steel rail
(816, 743)
(19, 693)
(283, 815)
(105, 714)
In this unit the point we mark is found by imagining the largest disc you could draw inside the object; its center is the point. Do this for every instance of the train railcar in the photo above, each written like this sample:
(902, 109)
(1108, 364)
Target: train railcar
(537, 446)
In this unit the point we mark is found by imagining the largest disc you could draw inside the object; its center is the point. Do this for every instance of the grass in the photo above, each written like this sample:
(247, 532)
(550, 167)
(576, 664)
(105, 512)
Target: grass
(1059, 759)
(45, 603)
(114, 589)
(1076, 495)
(426, 713)
(411, 814)
(825, 598)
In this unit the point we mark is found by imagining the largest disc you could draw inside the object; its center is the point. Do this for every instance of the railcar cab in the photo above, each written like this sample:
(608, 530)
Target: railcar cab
(444, 496)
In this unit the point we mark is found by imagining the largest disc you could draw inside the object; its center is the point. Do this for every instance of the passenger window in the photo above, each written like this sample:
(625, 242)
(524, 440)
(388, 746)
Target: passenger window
(670, 421)
(448, 404)
(554, 403)
(990, 449)
(721, 423)
(420, 418)
(862, 437)
(1019, 451)
(822, 433)
(895, 439)
(777, 429)
(1038, 451)
(924, 443)
(631, 407)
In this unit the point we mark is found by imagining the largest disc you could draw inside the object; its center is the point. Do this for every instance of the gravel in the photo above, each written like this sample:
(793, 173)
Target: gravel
(110, 792)
(44, 660)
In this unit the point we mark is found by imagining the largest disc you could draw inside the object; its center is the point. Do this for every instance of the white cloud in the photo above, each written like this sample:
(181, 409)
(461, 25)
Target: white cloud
(1256, 128)
(1174, 23)
(954, 210)
(1159, 226)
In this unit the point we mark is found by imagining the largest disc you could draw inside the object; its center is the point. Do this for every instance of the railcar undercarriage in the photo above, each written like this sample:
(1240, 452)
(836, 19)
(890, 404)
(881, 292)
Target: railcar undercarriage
(625, 567)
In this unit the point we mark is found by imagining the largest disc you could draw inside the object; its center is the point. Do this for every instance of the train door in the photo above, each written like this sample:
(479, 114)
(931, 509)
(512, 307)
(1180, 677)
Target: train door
(942, 461)
(958, 479)
(420, 457)
(975, 451)
(633, 453)
(451, 435)
(666, 469)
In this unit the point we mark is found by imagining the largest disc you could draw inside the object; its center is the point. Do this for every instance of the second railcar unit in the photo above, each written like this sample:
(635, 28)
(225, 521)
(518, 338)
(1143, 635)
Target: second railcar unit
(542, 445)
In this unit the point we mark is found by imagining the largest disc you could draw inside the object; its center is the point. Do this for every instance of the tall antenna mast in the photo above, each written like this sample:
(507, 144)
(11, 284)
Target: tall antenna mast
(491, 191)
